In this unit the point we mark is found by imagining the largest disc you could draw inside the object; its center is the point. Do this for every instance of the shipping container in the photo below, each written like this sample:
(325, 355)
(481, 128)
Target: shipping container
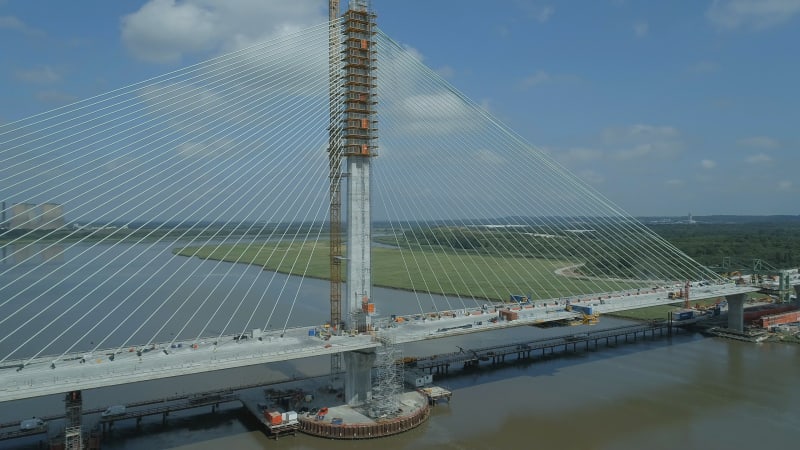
(584, 309)
(273, 417)
(779, 319)
(505, 314)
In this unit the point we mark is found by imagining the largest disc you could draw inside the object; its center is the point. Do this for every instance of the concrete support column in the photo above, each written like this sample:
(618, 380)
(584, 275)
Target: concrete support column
(736, 311)
(358, 376)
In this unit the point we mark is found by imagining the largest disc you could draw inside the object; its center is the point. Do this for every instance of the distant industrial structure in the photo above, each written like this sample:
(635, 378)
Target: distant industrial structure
(30, 216)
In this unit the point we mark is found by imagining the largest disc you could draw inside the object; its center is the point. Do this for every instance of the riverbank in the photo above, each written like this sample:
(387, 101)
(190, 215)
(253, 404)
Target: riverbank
(445, 273)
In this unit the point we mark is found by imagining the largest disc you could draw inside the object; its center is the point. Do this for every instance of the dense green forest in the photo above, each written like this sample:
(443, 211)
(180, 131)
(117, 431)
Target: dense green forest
(718, 245)
(775, 243)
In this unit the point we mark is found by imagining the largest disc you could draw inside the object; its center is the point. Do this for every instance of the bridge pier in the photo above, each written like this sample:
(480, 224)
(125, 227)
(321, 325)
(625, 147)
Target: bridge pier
(736, 312)
(358, 376)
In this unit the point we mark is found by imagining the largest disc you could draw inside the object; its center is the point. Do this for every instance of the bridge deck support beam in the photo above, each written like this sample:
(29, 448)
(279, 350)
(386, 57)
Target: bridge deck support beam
(736, 311)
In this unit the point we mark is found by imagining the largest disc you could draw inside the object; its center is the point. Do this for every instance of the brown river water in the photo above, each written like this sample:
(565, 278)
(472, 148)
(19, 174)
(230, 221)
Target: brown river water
(687, 393)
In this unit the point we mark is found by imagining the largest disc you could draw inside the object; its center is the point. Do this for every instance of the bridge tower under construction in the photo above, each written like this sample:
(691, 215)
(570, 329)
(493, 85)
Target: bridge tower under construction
(353, 138)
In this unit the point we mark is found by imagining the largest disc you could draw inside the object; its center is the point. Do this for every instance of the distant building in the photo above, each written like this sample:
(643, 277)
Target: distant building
(52, 217)
(23, 216)
(27, 216)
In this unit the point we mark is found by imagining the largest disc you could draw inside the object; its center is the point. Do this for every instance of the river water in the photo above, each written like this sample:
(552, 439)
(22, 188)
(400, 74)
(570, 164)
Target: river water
(688, 392)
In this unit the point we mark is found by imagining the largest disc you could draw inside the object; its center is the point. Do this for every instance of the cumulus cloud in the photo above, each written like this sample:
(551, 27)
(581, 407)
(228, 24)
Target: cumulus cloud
(446, 72)
(537, 12)
(436, 113)
(638, 141)
(41, 75)
(544, 14)
(14, 24)
(55, 97)
(414, 52)
(708, 164)
(580, 155)
(489, 157)
(760, 142)
(785, 185)
(590, 176)
(759, 158)
(641, 28)
(164, 31)
(536, 79)
(542, 77)
(751, 14)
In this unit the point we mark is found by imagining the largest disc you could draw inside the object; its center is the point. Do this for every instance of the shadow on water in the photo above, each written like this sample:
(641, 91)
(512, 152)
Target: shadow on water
(550, 364)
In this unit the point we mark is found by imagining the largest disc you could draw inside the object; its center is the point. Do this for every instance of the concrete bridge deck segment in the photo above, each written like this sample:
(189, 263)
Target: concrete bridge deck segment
(50, 375)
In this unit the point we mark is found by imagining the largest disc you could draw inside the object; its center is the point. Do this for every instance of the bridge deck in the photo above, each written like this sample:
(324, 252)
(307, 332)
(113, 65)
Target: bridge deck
(43, 376)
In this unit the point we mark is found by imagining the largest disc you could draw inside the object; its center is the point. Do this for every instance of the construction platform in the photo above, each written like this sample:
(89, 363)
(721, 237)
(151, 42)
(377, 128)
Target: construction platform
(345, 422)
(436, 394)
(312, 399)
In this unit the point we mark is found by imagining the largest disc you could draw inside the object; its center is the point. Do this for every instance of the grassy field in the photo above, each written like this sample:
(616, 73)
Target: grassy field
(467, 275)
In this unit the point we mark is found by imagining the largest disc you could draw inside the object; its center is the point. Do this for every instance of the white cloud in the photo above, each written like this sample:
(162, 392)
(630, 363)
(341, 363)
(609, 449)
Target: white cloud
(414, 52)
(536, 79)
(488, 157)
(760, 142)
(751, 14)
(14, 24)
(637, 132)
(640, 28)
(42, 75)
(537, 12)
(204, 149)
(580, 155)
(446, 72)
(760, 158)
(785, 185)
(590, 176)
(708, 164)
(544, 14)
(165, 30)
(436, 113)
(55, 97)
(640, 141)
(541, 77)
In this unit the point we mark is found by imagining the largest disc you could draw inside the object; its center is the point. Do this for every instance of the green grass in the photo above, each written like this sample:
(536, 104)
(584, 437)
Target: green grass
(467, 275)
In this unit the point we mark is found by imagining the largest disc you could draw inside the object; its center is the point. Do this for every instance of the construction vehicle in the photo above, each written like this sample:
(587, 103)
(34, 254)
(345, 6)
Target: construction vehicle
(590, 319)
(326, 333)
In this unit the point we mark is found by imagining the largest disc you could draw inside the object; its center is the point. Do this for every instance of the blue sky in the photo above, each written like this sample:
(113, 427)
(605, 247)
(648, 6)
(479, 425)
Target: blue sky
(664, 107)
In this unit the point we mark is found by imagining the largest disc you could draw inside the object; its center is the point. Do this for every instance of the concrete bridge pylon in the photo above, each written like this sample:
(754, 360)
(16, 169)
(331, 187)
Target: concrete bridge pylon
(736, 311)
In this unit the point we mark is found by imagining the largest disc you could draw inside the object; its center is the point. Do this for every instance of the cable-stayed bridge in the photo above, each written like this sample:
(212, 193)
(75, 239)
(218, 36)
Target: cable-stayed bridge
(179, 205)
